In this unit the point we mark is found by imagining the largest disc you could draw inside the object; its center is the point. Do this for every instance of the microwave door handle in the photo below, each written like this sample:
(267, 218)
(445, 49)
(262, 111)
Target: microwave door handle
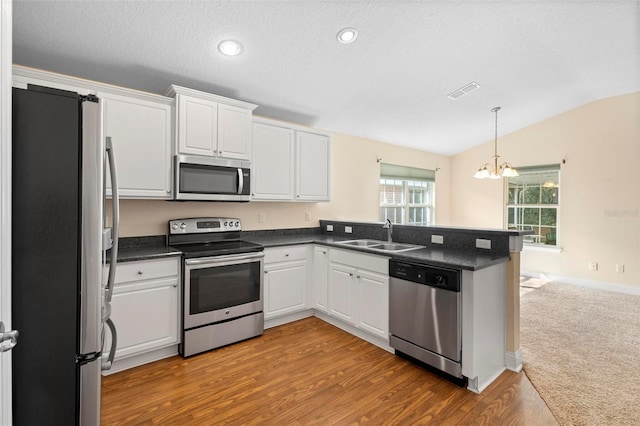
(240, 181)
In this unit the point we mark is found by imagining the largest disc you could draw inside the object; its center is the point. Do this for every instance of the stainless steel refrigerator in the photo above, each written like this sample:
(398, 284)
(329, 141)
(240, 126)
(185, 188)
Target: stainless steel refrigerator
(60, 294)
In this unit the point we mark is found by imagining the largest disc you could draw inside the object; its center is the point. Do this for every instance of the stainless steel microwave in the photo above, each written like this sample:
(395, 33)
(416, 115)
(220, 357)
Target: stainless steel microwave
(200, 178)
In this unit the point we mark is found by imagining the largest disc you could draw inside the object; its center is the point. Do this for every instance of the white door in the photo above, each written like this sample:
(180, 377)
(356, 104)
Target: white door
(373, 299)
(234, 132)
(313, 156)
(5, 204)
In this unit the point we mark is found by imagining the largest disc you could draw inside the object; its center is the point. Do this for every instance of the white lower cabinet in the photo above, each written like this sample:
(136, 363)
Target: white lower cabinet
(342, 292)
(320, 278)
(373, 298)
(358, 291)
(145, 308)
(285, 280)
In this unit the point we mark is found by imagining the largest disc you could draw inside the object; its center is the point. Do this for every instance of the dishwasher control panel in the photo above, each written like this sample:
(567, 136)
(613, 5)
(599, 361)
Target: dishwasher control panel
(444, 278)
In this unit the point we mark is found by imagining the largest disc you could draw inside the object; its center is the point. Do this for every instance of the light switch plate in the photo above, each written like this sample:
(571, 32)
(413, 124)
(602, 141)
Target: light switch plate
(348, 230)
(437, 239)
(329, 228)
(483, 244)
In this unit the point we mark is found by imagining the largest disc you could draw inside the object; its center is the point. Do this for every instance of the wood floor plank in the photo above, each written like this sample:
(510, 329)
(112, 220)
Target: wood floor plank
(308, 373)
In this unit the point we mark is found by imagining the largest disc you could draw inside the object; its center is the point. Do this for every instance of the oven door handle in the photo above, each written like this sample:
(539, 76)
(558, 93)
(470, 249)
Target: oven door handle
(219, 259)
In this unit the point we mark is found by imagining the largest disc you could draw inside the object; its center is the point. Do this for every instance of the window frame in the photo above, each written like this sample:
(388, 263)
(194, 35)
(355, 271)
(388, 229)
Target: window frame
(557, 206)
(406, 205)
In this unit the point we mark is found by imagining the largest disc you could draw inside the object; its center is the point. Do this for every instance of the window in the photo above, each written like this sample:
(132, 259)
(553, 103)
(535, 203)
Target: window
(407, 195)
(533, 201)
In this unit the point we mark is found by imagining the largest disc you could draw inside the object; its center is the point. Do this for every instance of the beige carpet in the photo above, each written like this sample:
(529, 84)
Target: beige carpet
(582, 353)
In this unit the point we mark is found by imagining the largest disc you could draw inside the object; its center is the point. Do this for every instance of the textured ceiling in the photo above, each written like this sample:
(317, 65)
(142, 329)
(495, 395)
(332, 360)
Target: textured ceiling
(535, 59)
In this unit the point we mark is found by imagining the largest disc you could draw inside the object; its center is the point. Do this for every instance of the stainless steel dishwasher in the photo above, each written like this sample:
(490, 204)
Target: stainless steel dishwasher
(425, 314)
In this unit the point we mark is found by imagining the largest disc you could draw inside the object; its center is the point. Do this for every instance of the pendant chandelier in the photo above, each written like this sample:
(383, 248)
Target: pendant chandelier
(503, 170)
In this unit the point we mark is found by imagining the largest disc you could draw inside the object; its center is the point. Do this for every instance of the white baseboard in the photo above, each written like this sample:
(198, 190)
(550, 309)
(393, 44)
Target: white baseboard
(140, 359)
(274, 322)
(599, 285)
(478, 384)
(355, 331)
(514, 360)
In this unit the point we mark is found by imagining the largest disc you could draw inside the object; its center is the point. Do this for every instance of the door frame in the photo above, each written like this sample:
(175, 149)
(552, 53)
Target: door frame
(6, 58)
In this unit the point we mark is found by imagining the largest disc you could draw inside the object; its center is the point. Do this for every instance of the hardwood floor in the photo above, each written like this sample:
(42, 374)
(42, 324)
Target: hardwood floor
(309, 373)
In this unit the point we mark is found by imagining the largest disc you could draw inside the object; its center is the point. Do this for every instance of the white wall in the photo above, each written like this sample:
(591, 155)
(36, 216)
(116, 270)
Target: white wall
(355, 177)
(599, 194)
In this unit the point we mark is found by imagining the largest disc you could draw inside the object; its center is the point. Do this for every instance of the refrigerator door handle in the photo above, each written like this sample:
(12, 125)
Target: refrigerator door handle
(106, 365)
(115, 219)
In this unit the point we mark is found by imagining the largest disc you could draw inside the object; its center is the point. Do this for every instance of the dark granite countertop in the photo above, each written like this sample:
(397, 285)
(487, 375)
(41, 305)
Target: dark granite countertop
(143, 248)
(146, 253)
(459, 259)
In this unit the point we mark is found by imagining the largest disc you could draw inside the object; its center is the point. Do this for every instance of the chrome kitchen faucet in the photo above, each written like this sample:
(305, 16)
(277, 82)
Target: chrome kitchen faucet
(389, 227)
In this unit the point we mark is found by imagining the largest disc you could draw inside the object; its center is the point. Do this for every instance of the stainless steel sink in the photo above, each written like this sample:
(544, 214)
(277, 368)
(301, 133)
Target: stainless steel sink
(382, 246)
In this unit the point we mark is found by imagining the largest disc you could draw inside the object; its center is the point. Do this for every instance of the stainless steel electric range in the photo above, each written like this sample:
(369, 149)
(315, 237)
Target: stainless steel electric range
(222, 283)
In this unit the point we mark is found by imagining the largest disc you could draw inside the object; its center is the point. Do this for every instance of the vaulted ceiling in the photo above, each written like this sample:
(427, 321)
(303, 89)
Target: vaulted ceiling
(535, 59)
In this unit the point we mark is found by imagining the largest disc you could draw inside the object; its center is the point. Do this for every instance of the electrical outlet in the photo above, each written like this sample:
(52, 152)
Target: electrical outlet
(329, 228)
(620, 268)
(593, 266)
(437, 239)
(483, 244)
(261, 217)
(307, 216)
(348, 230)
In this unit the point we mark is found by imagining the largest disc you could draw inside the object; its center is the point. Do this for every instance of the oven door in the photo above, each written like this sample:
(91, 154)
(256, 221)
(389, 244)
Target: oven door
(221, 288)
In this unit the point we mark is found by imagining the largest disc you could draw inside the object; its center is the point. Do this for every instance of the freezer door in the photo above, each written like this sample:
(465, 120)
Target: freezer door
(90, 391)
(92, 210)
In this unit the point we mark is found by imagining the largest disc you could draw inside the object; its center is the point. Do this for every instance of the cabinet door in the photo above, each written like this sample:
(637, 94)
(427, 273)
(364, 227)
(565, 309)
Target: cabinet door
(320, 275)
(141, 135)
(234, 132)
(272, 168)
(342, 292)
(145, 315)
(285, 288)
(197, 126)
(313, 167)
(373, 302)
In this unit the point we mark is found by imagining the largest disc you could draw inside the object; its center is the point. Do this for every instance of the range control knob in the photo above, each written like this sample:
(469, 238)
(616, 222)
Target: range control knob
(174, 226)
(226, 223)
(237, 223)
(183, 225)
(440, 280)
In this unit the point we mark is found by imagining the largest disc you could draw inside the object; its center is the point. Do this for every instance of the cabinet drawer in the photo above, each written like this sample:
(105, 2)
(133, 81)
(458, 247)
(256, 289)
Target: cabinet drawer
(146, 270)
(283, 254)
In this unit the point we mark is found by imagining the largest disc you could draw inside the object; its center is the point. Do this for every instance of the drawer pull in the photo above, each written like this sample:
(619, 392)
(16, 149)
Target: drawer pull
(286, 255)
(140, 272)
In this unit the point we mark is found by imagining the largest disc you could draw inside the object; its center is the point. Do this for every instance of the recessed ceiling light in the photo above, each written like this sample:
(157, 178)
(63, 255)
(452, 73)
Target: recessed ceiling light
(347, 35)
(230, 47)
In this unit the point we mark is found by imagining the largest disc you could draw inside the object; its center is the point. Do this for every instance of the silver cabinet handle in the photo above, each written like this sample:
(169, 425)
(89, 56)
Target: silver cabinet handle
(358, 276)
(11, 336)
(175, 285)
(350, 274)
(140, 273)
(286, 255)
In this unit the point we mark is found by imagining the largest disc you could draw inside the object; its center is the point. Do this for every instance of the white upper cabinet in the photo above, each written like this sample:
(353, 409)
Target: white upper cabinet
(289, 163)
(273, 162)
(313, 172)
(212, 125)
(140, 132)
(197, 126)
(140, 125)
(234, 132)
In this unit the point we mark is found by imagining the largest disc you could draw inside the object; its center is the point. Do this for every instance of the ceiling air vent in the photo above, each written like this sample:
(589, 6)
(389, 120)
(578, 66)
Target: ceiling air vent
(464, 90)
